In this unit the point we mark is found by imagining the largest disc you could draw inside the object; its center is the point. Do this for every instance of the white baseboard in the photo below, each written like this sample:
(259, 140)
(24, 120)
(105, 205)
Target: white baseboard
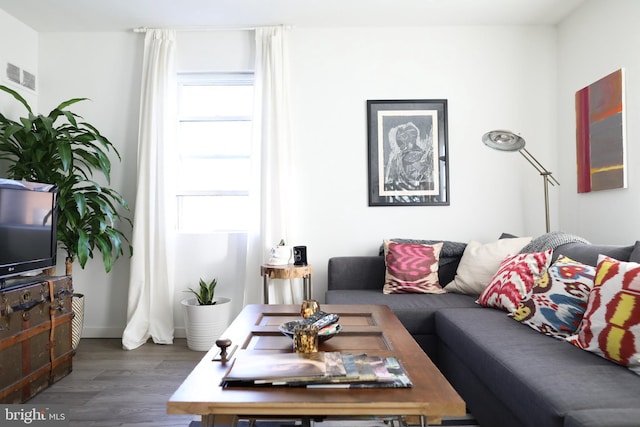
(88, 332)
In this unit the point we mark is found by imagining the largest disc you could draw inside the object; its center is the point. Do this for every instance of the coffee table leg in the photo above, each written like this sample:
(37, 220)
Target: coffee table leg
(209, 420)
(404, 423)
(265, 288)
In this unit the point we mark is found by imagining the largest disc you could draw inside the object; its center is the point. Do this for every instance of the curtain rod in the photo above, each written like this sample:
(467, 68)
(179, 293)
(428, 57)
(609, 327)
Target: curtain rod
(145, 29)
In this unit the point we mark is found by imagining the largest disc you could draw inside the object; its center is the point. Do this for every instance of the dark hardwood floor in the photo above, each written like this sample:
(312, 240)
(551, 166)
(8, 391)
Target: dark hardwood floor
(111, 387)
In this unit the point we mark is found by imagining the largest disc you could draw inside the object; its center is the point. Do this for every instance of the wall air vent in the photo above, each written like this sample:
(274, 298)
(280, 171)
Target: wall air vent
(28, 80)
(18, 76)
(13, 73)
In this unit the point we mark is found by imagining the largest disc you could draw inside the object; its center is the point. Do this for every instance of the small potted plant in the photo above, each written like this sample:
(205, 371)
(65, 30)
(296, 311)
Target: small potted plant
(205, 316)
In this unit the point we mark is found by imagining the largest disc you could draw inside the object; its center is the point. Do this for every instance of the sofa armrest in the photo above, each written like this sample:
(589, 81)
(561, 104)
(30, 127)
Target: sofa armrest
(356, 273)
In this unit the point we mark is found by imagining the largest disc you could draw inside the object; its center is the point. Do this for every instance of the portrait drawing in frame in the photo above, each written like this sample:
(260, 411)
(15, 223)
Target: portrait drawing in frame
(408, 152)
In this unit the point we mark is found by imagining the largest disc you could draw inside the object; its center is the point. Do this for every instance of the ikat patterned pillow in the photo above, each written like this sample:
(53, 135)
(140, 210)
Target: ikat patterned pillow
(514, 279)
(558, 300)
(610, 327)
(411, 268)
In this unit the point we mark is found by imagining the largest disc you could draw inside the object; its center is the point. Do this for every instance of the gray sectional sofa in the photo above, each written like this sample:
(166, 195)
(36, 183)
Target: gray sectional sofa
(507, 373)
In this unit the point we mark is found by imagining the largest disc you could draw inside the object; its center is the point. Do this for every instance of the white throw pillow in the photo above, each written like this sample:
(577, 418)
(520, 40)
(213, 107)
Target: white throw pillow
(480, 262)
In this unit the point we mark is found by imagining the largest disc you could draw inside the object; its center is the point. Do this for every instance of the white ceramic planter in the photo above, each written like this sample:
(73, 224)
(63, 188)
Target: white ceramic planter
(204, 324)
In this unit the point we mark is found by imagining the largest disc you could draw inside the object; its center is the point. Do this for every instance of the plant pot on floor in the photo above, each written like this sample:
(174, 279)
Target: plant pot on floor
(204, 324)
(77, 303)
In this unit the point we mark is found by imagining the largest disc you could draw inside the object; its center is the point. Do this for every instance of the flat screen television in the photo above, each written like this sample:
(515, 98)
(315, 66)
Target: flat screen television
(28, 216)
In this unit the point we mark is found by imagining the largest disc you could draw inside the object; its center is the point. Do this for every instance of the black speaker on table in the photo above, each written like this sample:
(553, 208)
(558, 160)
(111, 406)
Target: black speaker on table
(299, 255)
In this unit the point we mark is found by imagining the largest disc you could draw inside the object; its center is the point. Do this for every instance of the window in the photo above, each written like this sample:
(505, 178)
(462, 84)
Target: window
(214, 147)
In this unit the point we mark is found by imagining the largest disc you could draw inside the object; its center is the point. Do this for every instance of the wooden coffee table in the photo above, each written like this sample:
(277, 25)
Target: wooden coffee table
(370, 329)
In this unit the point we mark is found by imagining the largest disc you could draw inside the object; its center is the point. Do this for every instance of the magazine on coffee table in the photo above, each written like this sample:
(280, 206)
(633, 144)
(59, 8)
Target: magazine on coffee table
(251, 368)
(373, 372)
(328, 369)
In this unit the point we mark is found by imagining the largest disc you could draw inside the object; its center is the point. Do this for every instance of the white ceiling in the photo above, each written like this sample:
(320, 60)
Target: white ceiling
(119, 15)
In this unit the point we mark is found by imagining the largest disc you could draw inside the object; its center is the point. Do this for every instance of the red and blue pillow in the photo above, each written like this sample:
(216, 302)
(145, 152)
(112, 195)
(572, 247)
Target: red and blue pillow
(556, 304)
(514, 280)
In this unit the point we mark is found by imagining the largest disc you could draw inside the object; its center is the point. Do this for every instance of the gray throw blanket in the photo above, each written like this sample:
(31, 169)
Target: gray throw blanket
(551, 241)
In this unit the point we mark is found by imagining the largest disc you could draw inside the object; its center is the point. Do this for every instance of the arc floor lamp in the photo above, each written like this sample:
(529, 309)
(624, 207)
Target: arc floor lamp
(504, 140)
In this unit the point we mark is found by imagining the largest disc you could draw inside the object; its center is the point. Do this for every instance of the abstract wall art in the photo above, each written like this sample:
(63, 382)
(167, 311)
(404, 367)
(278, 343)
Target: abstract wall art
(600, 135)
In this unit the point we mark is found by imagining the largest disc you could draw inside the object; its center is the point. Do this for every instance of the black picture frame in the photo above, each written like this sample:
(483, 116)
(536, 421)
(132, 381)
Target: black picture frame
(408, 152)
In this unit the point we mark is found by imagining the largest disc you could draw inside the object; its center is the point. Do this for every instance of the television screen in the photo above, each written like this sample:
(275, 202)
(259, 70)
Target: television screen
(27, 227)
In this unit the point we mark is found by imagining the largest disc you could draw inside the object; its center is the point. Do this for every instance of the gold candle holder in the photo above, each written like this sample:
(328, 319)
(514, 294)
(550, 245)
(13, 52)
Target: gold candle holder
(309, 306)
(305, 339)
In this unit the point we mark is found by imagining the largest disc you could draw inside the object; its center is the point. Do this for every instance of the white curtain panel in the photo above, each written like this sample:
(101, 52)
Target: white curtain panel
(271, 191)
(150, 306)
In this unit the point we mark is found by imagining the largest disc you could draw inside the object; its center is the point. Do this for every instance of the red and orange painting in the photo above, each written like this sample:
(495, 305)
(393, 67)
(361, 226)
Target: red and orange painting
(600, 136)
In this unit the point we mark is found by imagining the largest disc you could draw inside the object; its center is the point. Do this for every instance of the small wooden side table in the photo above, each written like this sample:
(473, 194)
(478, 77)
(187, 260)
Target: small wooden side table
(289, 271)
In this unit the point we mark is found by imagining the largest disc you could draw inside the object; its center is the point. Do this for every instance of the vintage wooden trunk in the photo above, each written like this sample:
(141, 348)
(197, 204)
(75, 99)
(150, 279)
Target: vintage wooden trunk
(35, 336)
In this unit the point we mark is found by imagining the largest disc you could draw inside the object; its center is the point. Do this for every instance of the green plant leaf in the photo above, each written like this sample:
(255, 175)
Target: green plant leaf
(17, 96)
(83, 248)
(65, 104)
(103, 243)
(66, 154)
(60, 149)
(81, 203)
(205, 293)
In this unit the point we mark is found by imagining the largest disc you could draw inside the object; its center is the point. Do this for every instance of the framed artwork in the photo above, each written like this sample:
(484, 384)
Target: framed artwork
(600, 135)
(408, 153)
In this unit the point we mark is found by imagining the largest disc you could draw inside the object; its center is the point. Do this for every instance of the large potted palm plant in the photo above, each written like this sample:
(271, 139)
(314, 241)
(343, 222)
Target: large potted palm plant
(61, 149)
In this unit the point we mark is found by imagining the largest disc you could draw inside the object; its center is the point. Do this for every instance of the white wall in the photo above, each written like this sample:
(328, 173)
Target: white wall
(19, 47)
(22, 51)
(106, 68)
(492, 78)
(600, 37)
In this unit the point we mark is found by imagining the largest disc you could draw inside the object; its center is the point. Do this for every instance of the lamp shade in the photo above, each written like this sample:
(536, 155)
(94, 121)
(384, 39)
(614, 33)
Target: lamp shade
(503, 140)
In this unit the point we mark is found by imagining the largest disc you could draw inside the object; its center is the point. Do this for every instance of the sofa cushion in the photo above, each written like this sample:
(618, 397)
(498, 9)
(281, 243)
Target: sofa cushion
(514, 279)
(480, 262)
(634, 256)
(411, 268)
(611, 324)
(588, 254)
(416, 312)
(539, 378)
(356, 272)
(557, 301)
(611, 417)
